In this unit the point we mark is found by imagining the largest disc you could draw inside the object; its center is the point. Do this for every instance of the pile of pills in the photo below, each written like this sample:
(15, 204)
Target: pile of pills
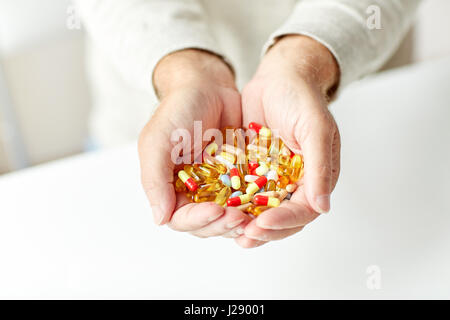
(252, 173)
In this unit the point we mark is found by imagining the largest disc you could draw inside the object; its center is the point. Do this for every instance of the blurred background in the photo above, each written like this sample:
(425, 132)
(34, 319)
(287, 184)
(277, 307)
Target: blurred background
(44, 91)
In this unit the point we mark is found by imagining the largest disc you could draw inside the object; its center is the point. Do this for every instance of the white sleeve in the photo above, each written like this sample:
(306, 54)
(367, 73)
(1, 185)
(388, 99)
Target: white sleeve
(346, 28)
(136, 34)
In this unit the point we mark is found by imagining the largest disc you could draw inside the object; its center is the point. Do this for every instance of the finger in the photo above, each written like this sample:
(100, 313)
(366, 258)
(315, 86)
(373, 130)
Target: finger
(252, 110)
(316, 139)
(157, 174)
(193, 216)
(290, 214)
(231, 111)
(248, 243)
(232, 223)
(252, 231)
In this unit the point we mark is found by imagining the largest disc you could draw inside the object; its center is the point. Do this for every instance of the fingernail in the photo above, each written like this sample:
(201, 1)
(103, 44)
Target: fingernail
(323, 203)
(157, 215)
(231, 225)
(240, 231)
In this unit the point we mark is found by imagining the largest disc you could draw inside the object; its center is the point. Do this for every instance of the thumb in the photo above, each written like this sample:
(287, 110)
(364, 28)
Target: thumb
(157, 173)
(315, 135)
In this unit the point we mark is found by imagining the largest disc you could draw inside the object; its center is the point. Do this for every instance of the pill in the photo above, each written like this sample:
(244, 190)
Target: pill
(266, 201)
(257, 210)
(211, 148)
(235, 179)
(228, 156)
(262, 169)
(237, 201)
(187, 180)
(235, 194)
(256, 185)
(224, 161)
(262, 131)
(291, 187)
(272, 175)
(250, 178)
(226, 180)
(252, 165)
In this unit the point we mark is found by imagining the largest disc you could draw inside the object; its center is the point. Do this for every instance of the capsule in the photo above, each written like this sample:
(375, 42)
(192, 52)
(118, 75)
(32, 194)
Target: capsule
(225, 180)
(271, 185)
(257, 210)
(250, 178)
(180, 186)
(291, 187)
(262, 169)
(262, 131)
(237, 201)
(211, 148)
(282, 182)
(228, 156)
(222, 196)
(266, 201)
(187, 180)
(256, 185)
(235, 179)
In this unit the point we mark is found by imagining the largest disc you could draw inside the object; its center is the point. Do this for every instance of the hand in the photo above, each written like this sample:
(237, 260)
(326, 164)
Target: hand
(290, 92)
(193, 85)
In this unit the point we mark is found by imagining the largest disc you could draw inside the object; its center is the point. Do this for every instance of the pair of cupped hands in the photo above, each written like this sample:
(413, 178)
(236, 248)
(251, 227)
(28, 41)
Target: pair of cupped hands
(289, 92)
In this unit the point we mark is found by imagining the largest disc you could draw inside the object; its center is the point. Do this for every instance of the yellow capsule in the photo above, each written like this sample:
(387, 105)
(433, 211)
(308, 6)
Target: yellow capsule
(262, 169)
(228, 156)
(180, 186)
(284, 160)
(295, 174)
(222, 196)
(190, 171)
(296, 162)
(271, 185)
(211, 148)
(283, 181)
(221, 169)
(214, 186)
(205, 171)
(204, 196)
(257, 210)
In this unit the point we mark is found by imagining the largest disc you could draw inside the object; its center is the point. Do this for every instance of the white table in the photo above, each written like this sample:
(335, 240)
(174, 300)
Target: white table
(81, 227)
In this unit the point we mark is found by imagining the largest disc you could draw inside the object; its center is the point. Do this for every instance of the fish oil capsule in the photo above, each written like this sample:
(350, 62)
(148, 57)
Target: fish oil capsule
(237, 201)
(296, 162)
(222, 196)
(271, 185)
(262, 169)
(228, 156)
(235, 179)
(204, 196)
(257, 210)
(211, 148)
(284, 160)
(262, 131)
(180, 186)
(190, 171)
(266, 201)
(206, 171)
(256, 185)
(187, 180)
(282, 182)
(213, 186)
(243, 168)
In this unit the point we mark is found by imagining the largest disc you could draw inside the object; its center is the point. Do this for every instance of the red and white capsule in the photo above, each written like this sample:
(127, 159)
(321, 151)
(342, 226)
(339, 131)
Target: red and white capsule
(261, 130)
(237, 201)
(187, 180)
(261, 200)
(235, 179)
(256, 185)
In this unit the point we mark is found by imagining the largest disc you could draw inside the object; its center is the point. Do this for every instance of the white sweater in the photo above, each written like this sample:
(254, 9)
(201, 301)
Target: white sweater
(129, 37)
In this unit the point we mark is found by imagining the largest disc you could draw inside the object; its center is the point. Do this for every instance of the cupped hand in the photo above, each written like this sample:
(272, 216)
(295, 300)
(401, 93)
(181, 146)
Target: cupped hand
(192, 85)
(289, 94)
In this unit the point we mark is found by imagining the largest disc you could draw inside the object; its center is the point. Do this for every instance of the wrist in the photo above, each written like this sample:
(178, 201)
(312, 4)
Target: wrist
(305, 57)
(188, 68)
